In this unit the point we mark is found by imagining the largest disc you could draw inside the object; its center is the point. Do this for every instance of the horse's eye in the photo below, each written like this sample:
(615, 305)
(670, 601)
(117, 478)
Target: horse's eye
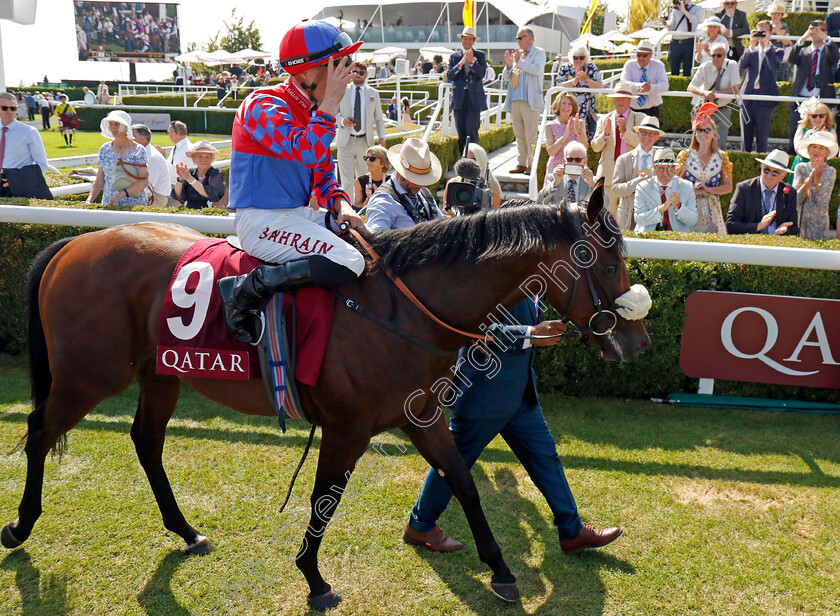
(612, 269)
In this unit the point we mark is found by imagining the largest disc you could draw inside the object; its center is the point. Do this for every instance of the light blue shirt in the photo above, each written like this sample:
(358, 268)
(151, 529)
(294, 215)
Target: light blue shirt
(657, 77)
(530, 84)
(24, 147)
(383, 213)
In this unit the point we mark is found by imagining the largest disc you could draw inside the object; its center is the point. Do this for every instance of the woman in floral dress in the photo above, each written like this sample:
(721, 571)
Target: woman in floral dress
(814, 181)
(580, 72)
(709, 169)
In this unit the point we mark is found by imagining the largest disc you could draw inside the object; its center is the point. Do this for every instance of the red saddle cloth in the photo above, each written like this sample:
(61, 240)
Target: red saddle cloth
(192, 338)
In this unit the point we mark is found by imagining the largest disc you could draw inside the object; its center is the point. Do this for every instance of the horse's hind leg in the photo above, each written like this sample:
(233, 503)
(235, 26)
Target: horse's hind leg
(436, 445)
(58, 414)
(340, 450)
(158, 397)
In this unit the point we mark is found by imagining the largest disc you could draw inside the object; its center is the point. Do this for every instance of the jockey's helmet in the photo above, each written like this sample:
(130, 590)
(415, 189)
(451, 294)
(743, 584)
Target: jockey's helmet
(312, 43)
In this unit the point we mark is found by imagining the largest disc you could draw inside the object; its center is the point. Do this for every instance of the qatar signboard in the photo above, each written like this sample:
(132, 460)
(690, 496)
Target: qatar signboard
(762, 339)
(127, 31)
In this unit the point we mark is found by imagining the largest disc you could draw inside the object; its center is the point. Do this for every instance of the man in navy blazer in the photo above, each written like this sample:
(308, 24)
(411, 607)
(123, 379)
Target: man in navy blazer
(818, 82)
(765, 204)
(499, 396)
(760, 61)
(466, 71)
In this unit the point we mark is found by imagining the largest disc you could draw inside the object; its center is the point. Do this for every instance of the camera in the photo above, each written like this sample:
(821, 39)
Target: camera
(471, 194)
(815, 24)
(758, 34)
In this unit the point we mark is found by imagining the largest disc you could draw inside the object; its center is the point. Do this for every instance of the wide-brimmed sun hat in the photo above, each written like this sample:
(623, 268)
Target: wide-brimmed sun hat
(622, 90)
(116, 115)
(649, 123)
(777, 7)
(824, 138)
(202, 147)
(414, 161)
(469, 31)
(776, 159)
(714, 20)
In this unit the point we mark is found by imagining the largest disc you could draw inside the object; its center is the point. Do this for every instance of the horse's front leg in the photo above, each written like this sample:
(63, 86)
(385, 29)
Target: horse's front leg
(341, 447)
(435, 444)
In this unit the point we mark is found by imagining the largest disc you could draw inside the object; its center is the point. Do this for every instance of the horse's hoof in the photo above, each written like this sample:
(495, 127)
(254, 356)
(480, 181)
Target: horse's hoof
(8, 539)
(506, 591)
(324, 602)
(202, 546)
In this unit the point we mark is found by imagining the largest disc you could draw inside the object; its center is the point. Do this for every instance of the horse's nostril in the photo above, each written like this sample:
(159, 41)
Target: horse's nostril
(644, 345)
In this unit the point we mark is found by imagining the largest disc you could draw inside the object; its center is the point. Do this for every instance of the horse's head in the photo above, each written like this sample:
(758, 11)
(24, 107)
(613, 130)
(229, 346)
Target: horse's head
(588, 282)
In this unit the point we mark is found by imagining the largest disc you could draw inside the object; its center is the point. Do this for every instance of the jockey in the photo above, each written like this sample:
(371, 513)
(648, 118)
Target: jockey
(281, 172)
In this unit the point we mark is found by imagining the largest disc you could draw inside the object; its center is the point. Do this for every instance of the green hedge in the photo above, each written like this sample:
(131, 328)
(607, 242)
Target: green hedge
(197, 120)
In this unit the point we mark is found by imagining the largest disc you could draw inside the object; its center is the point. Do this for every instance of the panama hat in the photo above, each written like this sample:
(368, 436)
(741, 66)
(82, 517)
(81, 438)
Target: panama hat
(649, 123)
(645, 46)
(622, 90)
(777, 7)
(469, 31)
(776, 159)
(115, 115)
(818, 137)
(414, 161)
(664, 156)
(202, 147)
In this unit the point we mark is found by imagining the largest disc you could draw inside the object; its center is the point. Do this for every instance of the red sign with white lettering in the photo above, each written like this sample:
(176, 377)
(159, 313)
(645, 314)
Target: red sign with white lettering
(762, 338)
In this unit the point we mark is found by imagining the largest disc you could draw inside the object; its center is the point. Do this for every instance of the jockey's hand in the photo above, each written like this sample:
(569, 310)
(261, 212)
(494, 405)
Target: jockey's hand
(336, 84)
(349, 215)
(547, 328)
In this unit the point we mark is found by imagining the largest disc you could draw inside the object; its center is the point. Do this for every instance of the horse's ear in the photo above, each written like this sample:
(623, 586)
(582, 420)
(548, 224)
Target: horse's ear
(596, 202)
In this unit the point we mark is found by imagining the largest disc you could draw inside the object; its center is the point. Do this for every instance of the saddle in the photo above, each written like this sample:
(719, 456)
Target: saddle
(193, 340)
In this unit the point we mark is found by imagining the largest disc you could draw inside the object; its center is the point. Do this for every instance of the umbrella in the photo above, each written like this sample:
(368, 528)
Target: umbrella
(592, 41)
(386, 54)
(249, 54)
(615, 36)
(190, 56)
(220, 56)
(644, 33)
(429, 53)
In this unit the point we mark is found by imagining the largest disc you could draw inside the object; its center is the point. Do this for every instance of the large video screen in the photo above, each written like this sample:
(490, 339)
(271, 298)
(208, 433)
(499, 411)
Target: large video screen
(120, 31)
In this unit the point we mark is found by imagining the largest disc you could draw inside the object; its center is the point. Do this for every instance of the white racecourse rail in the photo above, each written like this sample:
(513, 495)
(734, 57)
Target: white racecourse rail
(652, 249)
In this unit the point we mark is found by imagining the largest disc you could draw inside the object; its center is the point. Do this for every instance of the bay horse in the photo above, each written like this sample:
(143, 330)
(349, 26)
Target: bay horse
(95, 302)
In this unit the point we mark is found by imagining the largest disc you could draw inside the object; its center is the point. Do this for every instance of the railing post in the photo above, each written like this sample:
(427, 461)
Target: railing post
(444, 120)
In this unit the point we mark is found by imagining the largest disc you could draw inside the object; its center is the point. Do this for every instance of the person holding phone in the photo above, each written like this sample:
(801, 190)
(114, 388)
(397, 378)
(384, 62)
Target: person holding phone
(814, 77)
(760, 62)
(570, 183)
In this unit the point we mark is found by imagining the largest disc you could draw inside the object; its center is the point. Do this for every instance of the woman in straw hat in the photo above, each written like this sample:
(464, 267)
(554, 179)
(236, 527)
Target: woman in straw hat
(779, 28)
(123, 175)
(814, 181)
(709, 168)
(200, 187)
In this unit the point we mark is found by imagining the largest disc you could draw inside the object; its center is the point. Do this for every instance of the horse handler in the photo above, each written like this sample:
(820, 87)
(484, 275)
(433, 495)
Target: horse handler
(506, 404)
(281, 173)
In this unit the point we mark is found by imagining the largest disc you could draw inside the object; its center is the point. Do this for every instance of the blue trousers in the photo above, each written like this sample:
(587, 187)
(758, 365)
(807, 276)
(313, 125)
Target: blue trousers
(680, 52)
(755, 124)
(527, 434)
(467, 122)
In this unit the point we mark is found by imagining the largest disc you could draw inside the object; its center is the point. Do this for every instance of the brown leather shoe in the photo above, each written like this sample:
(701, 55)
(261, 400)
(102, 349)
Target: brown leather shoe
(526, 171)
(518, 169)
(590, 537)
(433, 540)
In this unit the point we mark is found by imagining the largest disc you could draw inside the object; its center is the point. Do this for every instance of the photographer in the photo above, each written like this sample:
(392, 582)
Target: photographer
(570, 183)
(760, 63)
(683, 21)
(812, 78)
(488, 191)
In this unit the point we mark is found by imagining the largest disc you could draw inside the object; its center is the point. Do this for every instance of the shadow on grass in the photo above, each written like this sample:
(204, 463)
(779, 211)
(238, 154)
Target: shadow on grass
(156, 597)
(575, 581)
(41, 595)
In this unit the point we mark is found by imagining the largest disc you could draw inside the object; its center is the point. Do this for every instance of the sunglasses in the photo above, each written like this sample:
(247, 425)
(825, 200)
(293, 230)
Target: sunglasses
(579, 57)
(370, 158)
(642, 55)
(574, 159)
(4, 108)
(519, 38)
(772, 172)
(813, 115)
(703, 130)
(718, 55)
(729, 3)
(359, 72)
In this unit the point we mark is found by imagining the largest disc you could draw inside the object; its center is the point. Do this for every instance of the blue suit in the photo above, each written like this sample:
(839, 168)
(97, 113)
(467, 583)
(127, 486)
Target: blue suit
(505, 404)
(756, 115)
(468, 98)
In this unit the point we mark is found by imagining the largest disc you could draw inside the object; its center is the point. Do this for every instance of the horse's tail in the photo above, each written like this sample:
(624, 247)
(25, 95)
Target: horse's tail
(40, 376)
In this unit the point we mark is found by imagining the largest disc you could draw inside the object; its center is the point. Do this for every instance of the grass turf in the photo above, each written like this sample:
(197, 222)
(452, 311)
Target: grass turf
(726, 513)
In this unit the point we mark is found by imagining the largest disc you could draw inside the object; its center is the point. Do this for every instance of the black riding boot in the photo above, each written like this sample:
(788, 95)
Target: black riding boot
(238, 293)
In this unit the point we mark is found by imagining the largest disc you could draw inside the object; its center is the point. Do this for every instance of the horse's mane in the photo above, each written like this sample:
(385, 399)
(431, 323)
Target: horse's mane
(489, 234)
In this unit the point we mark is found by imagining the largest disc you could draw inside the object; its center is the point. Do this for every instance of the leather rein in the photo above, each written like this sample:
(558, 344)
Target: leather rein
(399, 284)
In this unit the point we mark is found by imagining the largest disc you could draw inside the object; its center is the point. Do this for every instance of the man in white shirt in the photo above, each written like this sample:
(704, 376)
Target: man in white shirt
(90, 97)
(714, 82)
(633, 168)
(359, 112)
(647, 79)
(178, 136)
(22, 143)
(160, 183)
(665, 202)
(683, 22)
